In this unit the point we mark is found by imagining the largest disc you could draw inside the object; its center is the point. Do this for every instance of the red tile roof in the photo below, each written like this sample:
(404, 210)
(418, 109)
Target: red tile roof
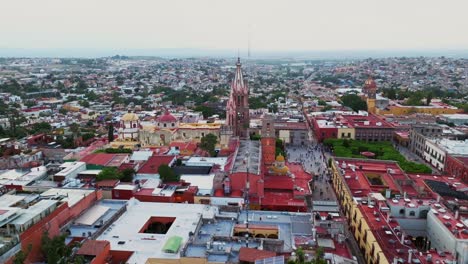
(358, 121)
(97, 158)
(93, 247)
(124, 166)
(252, 254)
(152, 165)
(104, 159)
(191, 146)
(107, 183)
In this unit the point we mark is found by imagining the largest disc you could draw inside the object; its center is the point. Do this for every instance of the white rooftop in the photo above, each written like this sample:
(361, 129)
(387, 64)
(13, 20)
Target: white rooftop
(126, 187)
(203, 182)
(92, 215)
(454, 146)
(141, 155)
(126, 229)
(8, 200)
(206, 161)
(28, 215)
(73, 196)
(67, 167)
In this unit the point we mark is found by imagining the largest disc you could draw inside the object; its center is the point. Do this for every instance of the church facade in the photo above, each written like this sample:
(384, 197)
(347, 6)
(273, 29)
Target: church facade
(237, 109)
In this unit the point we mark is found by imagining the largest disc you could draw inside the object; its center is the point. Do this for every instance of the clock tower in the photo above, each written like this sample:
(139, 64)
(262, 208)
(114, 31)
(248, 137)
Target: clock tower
(268, 140)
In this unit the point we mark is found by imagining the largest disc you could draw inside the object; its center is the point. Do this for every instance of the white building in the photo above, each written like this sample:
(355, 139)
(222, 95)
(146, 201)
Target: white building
(70, 170)
(436, 150)
(457, 119)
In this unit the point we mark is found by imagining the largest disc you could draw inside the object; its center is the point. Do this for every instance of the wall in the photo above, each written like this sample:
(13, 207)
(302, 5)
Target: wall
(52, 223)
(238, 181)
(323, 133)
(456, 168)
(356, 219)
(413, 227)
(103, 255)
(441, 238)
(348, 133)
(401, 110)
(434, 155)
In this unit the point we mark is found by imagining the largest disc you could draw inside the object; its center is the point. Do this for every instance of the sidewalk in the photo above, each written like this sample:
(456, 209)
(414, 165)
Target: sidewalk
(415, 158)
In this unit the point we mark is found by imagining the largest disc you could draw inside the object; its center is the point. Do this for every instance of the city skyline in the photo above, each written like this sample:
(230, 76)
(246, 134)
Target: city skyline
(94, 28)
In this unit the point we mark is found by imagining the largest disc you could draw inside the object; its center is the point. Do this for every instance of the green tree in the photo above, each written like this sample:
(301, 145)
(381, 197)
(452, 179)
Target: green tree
(208, 143)
(75, 129)
(354, 102)
(91, 96)
(205, 110)
(109, 173)
(84, 103)
(63, 111)
(87, 136)
(255, 137)
(21, 256)
(54, 249)
(110, 132)
(42, 127)
(326, 108)
(127, 175)
(167, 174)
(390, 93)
(429, 98)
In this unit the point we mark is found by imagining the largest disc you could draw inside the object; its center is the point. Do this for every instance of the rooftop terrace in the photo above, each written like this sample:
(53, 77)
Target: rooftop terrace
(247, 157)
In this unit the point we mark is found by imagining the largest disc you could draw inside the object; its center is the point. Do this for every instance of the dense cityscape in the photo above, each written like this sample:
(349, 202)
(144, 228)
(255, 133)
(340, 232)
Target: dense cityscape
(233, 132)
(201, 160)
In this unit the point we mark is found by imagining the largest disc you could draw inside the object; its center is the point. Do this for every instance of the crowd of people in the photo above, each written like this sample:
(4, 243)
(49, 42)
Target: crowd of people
(313, 159)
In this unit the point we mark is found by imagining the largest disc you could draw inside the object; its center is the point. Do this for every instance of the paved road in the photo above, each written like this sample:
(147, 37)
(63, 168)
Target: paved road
(413, 157)
(315, 162)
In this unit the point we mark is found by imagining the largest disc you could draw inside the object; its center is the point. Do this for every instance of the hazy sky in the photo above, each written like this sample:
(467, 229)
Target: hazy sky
(218, 24)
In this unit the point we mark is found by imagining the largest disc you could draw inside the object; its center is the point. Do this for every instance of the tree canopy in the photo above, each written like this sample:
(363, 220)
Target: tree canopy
(56, 251)
(167, 174)
(208, 143)
(354, 102)
(112, 173)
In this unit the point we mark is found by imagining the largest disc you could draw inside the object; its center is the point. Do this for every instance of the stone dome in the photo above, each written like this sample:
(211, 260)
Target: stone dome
(130, 117)
(166, 118)
(280, 158)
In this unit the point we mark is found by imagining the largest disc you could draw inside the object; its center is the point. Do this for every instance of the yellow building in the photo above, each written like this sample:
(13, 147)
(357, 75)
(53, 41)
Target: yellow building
(369, 245)
(128, 132)
(407, 110)
(346, 132)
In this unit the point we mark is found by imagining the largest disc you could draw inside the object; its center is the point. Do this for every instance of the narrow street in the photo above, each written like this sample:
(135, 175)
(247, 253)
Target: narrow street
(314, 161)
(413, 157)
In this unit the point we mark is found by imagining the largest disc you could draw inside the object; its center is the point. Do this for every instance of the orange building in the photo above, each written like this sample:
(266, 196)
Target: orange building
(268, 140)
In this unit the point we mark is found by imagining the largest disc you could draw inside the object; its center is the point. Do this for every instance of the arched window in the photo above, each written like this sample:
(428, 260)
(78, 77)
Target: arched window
(173, 124)
(412, 213)
(402, 211)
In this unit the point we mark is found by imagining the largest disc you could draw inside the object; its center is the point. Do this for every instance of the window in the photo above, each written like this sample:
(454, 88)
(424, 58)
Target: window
(412, 213)
(165, 125)
(173, 124)
(402, 211)
(342, 135)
